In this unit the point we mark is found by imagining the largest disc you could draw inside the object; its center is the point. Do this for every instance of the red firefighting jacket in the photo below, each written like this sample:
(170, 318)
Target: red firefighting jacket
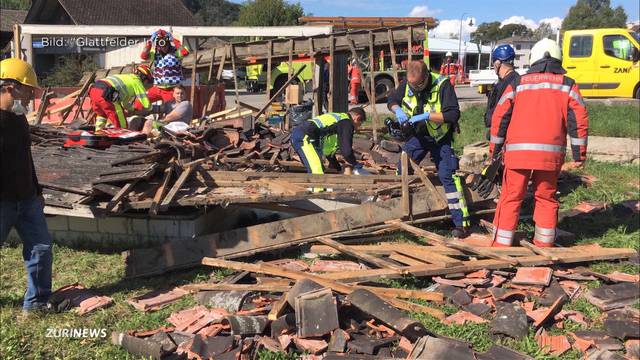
(532, 119)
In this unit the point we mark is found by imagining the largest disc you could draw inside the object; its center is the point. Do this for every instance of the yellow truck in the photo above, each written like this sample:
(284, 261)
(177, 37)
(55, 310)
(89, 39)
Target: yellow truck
(603, 62)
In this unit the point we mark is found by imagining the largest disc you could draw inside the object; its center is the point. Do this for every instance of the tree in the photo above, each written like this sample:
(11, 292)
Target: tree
(487, 33)
(214, 12)
(593, 14)
(15, 4)
(544, 30)
(269, 13)
(69, 70)
(515, 30)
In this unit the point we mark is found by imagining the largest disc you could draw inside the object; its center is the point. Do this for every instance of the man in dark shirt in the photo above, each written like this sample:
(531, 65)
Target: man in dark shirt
(429, 103)
(21, 202)
(323, 135)
(503, 56)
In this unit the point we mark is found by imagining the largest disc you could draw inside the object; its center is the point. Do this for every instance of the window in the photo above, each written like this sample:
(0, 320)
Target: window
(518, 47)
(581, 46)
(618, 46)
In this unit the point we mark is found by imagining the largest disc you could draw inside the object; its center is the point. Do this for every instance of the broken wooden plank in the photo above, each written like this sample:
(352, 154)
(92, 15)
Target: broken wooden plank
(176, 186)
(162, 189)
(117, 198)
(425, 180)
(538, 250)
(107, 189)
(269, 236)
(369, 259)
(404, 173)
(456, 244)
(62, 188)
(577, 254)
(135, 157)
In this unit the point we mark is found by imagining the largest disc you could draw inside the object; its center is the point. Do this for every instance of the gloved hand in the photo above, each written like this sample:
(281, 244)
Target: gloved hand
(483, 183)
(400, 115)
(154, 36)
(419, 118)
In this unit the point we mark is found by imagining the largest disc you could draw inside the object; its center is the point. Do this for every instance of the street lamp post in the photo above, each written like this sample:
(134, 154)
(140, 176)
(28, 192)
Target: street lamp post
(460, 40)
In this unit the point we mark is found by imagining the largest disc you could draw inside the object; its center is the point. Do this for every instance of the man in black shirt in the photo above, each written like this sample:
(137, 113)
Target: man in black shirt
(429, 103)
(21, 202)
(503, 56)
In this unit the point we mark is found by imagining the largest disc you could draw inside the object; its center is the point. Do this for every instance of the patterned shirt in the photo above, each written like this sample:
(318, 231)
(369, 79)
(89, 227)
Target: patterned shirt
(167, 70)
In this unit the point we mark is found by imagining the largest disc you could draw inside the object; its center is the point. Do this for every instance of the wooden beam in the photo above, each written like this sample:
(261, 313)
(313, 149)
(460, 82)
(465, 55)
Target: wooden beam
(223, 60)
(290, 62)
(17, 38)
(427, 183)
(332, 47)
(369, 259)
(193, 74)
(436, 239)
(394, 65)
(372, 86)
(409, 44)
(268, 69)
(538, 250)
(235, 73)
(576, 254)
(115, 201)
(176, 186)
(270, 236)
(162, 189)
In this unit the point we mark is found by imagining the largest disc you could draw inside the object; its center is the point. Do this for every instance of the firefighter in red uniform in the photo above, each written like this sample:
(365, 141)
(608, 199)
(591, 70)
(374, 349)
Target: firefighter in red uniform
(530, 125)
(449, 69)
(355, 79)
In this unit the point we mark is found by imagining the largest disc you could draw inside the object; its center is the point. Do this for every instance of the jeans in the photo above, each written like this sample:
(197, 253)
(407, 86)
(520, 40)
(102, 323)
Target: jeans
(27, 216)
(446, 162)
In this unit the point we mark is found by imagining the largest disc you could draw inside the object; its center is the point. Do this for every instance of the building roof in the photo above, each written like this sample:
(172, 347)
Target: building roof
(515, 39)
(10, 17)
(118, 12)
(444, 45)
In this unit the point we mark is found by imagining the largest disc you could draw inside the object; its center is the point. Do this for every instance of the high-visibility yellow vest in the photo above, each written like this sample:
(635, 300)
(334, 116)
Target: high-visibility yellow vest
(329, 135)
(432, 104)
(129, 88)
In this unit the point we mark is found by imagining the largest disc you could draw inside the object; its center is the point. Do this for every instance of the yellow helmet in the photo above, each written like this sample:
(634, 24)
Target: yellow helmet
(18, 70)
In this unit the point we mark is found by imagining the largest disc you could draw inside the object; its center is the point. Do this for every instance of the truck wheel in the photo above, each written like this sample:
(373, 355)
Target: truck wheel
(384, 87)
(637, 94)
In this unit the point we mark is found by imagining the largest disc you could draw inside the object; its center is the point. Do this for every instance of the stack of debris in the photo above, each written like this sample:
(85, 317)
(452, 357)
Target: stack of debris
(341, 309)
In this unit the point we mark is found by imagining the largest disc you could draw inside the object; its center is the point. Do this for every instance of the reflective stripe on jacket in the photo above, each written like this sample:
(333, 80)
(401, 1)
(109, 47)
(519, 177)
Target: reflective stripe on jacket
(130, 89)
(410, 105)
(328, 130)
(532, 119)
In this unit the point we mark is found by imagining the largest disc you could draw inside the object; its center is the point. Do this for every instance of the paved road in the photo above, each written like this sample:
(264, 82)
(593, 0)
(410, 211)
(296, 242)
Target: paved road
(464, 92)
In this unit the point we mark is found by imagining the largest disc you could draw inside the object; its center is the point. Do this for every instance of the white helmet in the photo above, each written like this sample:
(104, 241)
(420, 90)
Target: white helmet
(544, 48)
(448, 54)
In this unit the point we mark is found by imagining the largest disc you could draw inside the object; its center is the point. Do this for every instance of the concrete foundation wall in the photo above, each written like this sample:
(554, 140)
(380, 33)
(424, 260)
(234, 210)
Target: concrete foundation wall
(119, 233)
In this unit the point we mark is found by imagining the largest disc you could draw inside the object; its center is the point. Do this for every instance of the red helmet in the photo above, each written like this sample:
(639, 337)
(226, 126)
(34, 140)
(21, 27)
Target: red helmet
(144, 72)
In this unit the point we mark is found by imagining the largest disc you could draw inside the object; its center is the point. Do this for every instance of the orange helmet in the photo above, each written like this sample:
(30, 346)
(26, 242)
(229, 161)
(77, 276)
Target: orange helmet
(144, 72)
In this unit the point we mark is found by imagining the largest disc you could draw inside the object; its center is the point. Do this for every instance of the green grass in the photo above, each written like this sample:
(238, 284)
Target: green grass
(104, 273)
(604, 120)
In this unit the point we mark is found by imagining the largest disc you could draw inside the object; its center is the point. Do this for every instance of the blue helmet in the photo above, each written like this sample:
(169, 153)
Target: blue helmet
(504, 53)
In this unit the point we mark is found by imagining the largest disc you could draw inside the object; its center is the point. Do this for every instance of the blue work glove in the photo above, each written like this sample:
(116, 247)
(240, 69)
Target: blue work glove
(419, 118)
(401, 116)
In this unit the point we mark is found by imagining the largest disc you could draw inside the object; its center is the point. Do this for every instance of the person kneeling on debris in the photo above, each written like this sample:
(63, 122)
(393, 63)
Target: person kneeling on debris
(428, 102)
(530, 124)
(323, 136)
(21, 202)
(111, 96)
(178, 110)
